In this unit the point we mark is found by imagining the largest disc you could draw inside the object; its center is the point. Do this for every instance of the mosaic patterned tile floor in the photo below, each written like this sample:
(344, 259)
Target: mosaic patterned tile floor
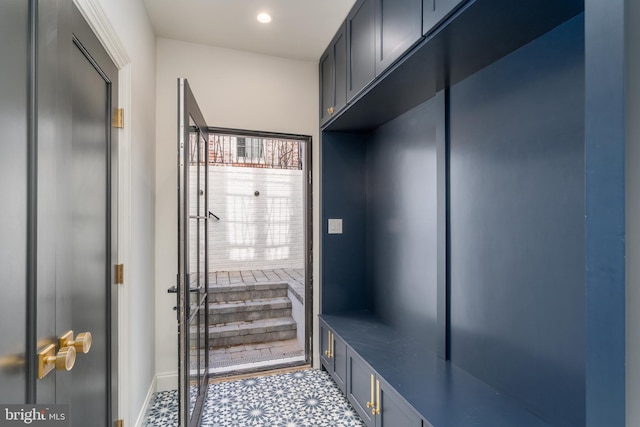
(306, 398)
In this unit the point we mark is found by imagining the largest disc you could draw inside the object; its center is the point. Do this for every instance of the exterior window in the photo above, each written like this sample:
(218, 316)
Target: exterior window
(255, 151)
(250, 150)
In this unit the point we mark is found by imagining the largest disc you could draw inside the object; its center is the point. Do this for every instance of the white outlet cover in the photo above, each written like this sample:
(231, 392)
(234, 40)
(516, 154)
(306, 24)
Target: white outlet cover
(335, 226)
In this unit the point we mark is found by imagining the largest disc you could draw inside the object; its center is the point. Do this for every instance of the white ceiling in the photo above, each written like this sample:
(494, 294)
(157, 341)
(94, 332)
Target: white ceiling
(300, 29)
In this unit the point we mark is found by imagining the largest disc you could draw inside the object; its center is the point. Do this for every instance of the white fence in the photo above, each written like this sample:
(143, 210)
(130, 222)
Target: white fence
(254, 232)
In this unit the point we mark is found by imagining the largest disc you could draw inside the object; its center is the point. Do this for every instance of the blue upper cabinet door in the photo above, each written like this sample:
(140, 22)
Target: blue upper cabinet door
(398, 27)
(327, 84)
(333, 76)
(436, 11)
(340, 68)
(361, 58)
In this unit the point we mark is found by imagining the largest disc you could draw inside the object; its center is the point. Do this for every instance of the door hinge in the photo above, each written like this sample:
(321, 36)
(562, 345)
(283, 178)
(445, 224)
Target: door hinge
(119, 274)
(118, 118)
(310, 178)
(119, 423)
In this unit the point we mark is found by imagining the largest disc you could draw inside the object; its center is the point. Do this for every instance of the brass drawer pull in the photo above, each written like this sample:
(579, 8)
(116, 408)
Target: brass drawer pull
(372, 403)
(377, 410)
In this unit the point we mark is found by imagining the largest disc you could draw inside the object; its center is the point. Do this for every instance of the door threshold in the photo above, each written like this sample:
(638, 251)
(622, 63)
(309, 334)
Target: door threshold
(258, 367)
(259, 374)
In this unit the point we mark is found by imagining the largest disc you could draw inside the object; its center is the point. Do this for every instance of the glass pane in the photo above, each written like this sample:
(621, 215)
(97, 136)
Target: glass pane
(193, 223)
(194, 255)
(203, 343)
(194, 347)
(198, 213)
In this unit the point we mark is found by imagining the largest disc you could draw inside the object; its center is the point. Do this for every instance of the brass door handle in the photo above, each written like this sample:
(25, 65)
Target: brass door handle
(82, 342)
(62, 361)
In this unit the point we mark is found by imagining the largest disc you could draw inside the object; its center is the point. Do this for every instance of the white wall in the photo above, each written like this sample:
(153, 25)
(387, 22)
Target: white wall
(236, 90)
(130, 22)
(263, 232)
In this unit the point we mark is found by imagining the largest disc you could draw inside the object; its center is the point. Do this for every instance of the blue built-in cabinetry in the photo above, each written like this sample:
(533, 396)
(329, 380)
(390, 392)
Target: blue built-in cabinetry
(361, 58)
(333, 76)
(378, 33)
(398, 26)
(457, 293)
(334, 356)
(436, 11)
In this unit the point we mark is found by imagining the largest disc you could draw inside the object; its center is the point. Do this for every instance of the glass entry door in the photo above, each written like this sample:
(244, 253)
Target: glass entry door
(193, 257)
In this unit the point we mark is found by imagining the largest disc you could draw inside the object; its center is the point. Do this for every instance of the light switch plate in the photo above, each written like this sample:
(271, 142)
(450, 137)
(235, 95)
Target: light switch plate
(335, 226)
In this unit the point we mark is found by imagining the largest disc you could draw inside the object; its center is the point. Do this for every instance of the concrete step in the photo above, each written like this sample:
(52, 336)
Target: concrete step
(248, 311)
(258, 331)
(246, 291)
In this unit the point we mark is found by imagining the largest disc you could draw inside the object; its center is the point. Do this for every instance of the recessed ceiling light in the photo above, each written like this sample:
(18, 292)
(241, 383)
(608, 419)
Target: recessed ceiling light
(265, 18)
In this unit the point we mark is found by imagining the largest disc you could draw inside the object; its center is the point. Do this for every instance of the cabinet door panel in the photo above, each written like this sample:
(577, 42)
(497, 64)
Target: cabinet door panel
(360, 47)
(339, 358)
(327, 89)
(435, 11)
(340, 68)
(324, 347)
(394, 411)
(359, 387)
(333, 76)
(398, 27)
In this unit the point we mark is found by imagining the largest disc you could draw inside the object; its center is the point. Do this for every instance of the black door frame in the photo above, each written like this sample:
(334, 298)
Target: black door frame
(308, 198)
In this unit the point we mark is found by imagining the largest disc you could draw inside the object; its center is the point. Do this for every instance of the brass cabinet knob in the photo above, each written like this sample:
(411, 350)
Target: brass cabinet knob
(64, 360)
(82, 342)
(330, 110)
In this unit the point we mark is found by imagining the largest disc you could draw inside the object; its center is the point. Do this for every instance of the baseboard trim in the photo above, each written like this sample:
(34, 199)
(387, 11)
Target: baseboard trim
(167, 381)
(147, 402)
(162, 382)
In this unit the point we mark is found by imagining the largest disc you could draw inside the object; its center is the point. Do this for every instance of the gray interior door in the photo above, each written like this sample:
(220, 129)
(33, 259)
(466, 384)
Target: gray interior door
(57, 234)
(193, 257)
(76, 224)
(89, 238)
